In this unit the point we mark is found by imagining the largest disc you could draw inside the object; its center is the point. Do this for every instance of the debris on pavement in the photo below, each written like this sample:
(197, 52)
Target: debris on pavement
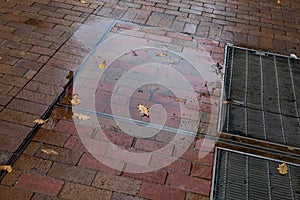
(81, 116)
(102, 65)
(75, 100)
(6, 168)
(282, 169)
(161, 55)
(49, 151)
(143, 110)
(40, 121)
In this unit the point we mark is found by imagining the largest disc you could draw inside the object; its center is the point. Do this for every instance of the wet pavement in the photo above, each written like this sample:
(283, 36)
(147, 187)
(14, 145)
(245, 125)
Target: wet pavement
(86, 68)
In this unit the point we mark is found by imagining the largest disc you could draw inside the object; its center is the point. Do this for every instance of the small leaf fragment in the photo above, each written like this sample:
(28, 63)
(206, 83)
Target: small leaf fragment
(6, 168)
(102, 65)
(291, 148)
(143, 110)
(49, 151)
(81, 116)
(83, 1)
(75, 100)
(293, 56)
(282, 169)
(40, 121)
(161, 55)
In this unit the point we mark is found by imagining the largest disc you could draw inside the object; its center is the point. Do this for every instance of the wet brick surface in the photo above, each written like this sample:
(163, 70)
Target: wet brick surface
(39, 56)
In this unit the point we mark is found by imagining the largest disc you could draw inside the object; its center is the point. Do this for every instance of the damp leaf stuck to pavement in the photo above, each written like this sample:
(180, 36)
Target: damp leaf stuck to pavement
(6, 168)
(161, 55)
(75, 100)
(49, 151)
(102, 65)
(81, 116)
(40, 121)
(83, 1)
(282, 169)
(143, 110)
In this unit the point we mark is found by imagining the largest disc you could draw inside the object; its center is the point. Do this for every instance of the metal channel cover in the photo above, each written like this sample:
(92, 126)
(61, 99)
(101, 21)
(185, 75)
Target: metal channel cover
(240, 176)
(263, 95)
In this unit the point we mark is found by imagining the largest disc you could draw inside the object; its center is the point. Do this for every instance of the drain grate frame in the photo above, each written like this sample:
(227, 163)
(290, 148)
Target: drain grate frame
(262, 96)
(239, 175)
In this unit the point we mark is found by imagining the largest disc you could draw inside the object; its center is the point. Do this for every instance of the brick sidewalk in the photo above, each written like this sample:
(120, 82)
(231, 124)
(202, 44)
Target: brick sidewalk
(39, 56)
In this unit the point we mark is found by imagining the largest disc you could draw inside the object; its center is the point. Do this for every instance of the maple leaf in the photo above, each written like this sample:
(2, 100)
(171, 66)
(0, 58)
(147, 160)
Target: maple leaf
(143, 110)
(75, 100)
(102, 65)
(49, 151)
(6, 168)
(81, 116)
(161, 55)
(282, 169)
(40, 121)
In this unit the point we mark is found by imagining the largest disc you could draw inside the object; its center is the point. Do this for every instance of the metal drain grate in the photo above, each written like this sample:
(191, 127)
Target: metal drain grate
(263, 94)
(245, 176)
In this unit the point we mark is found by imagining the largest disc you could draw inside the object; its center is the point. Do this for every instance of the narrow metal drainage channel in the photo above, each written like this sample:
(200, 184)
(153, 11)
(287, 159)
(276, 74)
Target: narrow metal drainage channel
(261, 100)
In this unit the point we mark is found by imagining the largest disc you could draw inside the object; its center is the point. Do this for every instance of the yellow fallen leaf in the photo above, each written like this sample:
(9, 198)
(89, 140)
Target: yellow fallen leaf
(143, 110)
(75, 100)
(282, 169)
(83, 1)
(49, 151)
(40, 121)
(102, 65)
(6, 168)
(291, 148)
(161, 55)
(81, 116)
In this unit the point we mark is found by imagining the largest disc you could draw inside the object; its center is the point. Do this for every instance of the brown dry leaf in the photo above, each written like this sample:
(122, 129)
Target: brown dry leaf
(49, 151)
(161, 55)
(81, 116)
(291, 148)
(40, 121)
(143, 110)
(6, 168)
(102, 65)
(75, 100)
(282, 169)
(83, 1)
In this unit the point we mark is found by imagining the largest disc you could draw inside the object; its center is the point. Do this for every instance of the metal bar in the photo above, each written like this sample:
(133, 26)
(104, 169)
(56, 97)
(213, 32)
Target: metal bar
(269, 53)
(225, 175)
(269, 180)
(247, 177)
(294, 91)
(246, 93)
(291, 184)
(262, 95)
(279, 104)
(229, 87)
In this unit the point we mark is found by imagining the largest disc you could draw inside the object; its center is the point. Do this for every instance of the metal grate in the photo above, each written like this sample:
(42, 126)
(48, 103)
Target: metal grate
(245, 176)
(263, 95)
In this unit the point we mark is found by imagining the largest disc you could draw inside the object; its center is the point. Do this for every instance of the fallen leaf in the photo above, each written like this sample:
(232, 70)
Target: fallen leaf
(75, 100)
(40, 121)
(282, 169)
(225, 102)
(293, 56)
(102, 65)
(81, 116)
(291, 148)
(143, 110)
(6, 168)
(49, 151)
(177, 100)
(161, 55)
(83, 1)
